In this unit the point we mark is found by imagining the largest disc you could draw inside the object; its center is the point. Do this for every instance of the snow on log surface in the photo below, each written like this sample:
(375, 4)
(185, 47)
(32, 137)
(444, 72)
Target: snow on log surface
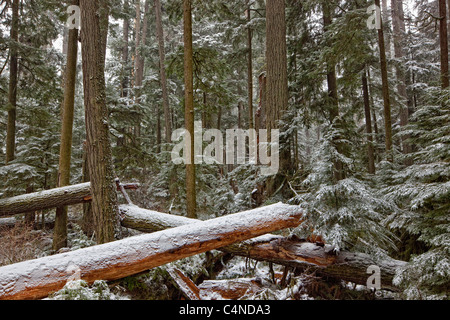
(47, 199)
(35, 279)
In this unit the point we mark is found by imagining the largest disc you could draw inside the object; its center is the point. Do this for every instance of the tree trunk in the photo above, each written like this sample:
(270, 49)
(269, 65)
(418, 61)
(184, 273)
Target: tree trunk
(250, 68)
(13, 78)
(370, 149)
(399, 30)
(48, 199)
(189, 110)
(133, 255)
(162, 71)
(94, 31)
(333, 102)
(277, 87)
(386, 94)
(65, 153)
(276, 59)
(125, 52)
(443, 40)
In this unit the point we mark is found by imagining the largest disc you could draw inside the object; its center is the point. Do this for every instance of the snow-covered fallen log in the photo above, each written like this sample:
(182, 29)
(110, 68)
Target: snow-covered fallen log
(48, 199)
(38, 278)
(295, 253)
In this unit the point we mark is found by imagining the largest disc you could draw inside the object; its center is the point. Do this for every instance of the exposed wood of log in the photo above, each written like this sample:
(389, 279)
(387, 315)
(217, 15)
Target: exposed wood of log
(189, 289)
(289, 252)
(38, 278)
(53, 198)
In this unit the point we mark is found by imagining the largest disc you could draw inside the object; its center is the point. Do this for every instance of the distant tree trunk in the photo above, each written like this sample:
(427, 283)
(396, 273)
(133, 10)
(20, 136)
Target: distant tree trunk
(333, 104)
(443, 40)
(386, 93)
(370, 149)
(94, 31)
(399, 30)
(125, 52)
(191, 201)
(65, 153)
(162, 70)
(250, 68)
(13, 78)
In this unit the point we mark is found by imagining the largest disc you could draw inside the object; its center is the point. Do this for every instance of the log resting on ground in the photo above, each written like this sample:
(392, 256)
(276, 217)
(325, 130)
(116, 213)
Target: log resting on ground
(35, 279)
(291, 252)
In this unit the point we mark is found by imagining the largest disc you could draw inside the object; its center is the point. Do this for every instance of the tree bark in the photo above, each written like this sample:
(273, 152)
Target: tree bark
(134, 255)
(293, 252)
(399, 29)
(65, 153)
(191, 199)
(443, 41)
(162, 71)
(386, 93)
(13, 79)
(94, 31)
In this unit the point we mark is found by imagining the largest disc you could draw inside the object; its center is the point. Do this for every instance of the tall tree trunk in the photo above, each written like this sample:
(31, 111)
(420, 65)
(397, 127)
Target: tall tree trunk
(443, 40)
(250, 68)
(13, 78)
(370, 149)
(94, 31)
(386, 93)
(162, 71)
(65, 153)
(276, 59)
(191, 199)
(333, 103)
(277, 85)
(125, 52)
(399, 30)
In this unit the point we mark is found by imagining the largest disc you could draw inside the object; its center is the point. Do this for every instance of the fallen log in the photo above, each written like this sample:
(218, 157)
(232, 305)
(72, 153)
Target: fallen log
(53, 198)
(292, 252)
(38, 278)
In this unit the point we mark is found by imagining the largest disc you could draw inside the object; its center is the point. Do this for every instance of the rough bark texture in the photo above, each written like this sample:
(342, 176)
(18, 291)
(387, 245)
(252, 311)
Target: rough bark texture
(333, 103)
(38, 278)
(399, 29)
(13, 77)
(191, 199)
(94, 28)
(65, 153)
(288, 252)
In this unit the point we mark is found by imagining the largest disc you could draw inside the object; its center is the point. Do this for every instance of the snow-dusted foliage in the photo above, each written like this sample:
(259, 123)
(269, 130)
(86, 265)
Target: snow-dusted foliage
(422, 191)
(345, 213)
(80, 290)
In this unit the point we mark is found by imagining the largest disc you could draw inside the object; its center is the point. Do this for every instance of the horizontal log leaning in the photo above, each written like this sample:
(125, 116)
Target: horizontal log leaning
(289, 252)
(38, 278)
(48, 199)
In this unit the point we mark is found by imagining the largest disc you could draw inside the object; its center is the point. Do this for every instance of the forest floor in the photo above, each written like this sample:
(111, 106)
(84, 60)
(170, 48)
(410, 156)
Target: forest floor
(234, 278)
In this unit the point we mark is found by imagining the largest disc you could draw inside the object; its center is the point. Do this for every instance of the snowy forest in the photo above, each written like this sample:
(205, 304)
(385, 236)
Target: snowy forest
(119, 176)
